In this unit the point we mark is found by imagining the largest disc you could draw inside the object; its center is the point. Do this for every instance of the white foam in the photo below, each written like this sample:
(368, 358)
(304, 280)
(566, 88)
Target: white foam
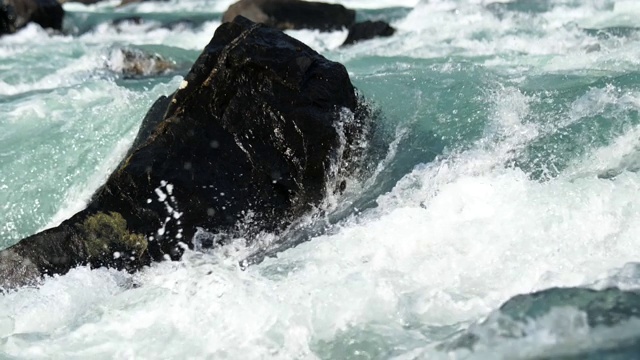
(549, 41)
(319, 41)
(99, 6)
(480, 240)
(77, 196)
(148, 33)
(180, 6)
(452, 241)
(75, 72)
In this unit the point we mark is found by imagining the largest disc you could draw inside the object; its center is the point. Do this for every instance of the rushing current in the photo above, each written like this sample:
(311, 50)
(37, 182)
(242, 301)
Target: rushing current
(511, 167)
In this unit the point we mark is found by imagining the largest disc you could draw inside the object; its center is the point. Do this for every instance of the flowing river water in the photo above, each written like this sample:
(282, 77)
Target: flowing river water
(511, 167)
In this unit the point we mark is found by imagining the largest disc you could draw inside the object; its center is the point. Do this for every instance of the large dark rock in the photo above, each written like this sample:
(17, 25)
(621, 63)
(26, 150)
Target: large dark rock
(15, 14)
(253, 139)
(293, 14)
(367, 30)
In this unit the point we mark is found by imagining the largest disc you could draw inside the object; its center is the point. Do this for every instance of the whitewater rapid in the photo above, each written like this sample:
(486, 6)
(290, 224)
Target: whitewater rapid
(514, 169)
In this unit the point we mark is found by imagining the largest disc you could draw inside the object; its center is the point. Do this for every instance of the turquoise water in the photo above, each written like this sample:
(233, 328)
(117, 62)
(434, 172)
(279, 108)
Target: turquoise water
(510, 166)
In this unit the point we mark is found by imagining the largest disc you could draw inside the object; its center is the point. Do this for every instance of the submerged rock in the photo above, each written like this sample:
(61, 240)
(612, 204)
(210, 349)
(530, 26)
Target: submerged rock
(612, 32)
(581, 308)
(15, 14)
(255, 136)
(129, 20)
(293, 14)
(368, 30)
(603, 307)
(134, 62)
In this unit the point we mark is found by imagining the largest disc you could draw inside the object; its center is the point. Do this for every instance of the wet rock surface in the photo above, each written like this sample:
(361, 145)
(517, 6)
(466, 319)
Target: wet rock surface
(368, 30)
(135, 62)
(15, 14)
(560, 311)
(254, 138)
(603, 307)
(293, 14)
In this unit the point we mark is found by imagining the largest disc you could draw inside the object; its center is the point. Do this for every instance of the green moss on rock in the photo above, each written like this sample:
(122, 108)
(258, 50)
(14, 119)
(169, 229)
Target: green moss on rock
(105, 233)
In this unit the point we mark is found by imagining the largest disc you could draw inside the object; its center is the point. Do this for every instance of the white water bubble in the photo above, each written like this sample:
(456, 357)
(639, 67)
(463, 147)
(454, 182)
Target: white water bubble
(161, 195)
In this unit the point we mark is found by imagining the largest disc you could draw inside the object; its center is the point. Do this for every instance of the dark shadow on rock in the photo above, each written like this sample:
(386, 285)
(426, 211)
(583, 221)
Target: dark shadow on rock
(7, 19)
(16, 14)
(260, 129)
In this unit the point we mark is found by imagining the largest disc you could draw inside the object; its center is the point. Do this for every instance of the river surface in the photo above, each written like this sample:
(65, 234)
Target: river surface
(511, 167)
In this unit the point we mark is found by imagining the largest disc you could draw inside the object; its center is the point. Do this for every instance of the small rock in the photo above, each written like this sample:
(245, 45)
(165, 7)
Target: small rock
(592, 48)
(134, 62)
(368, 30)
(135, 20)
